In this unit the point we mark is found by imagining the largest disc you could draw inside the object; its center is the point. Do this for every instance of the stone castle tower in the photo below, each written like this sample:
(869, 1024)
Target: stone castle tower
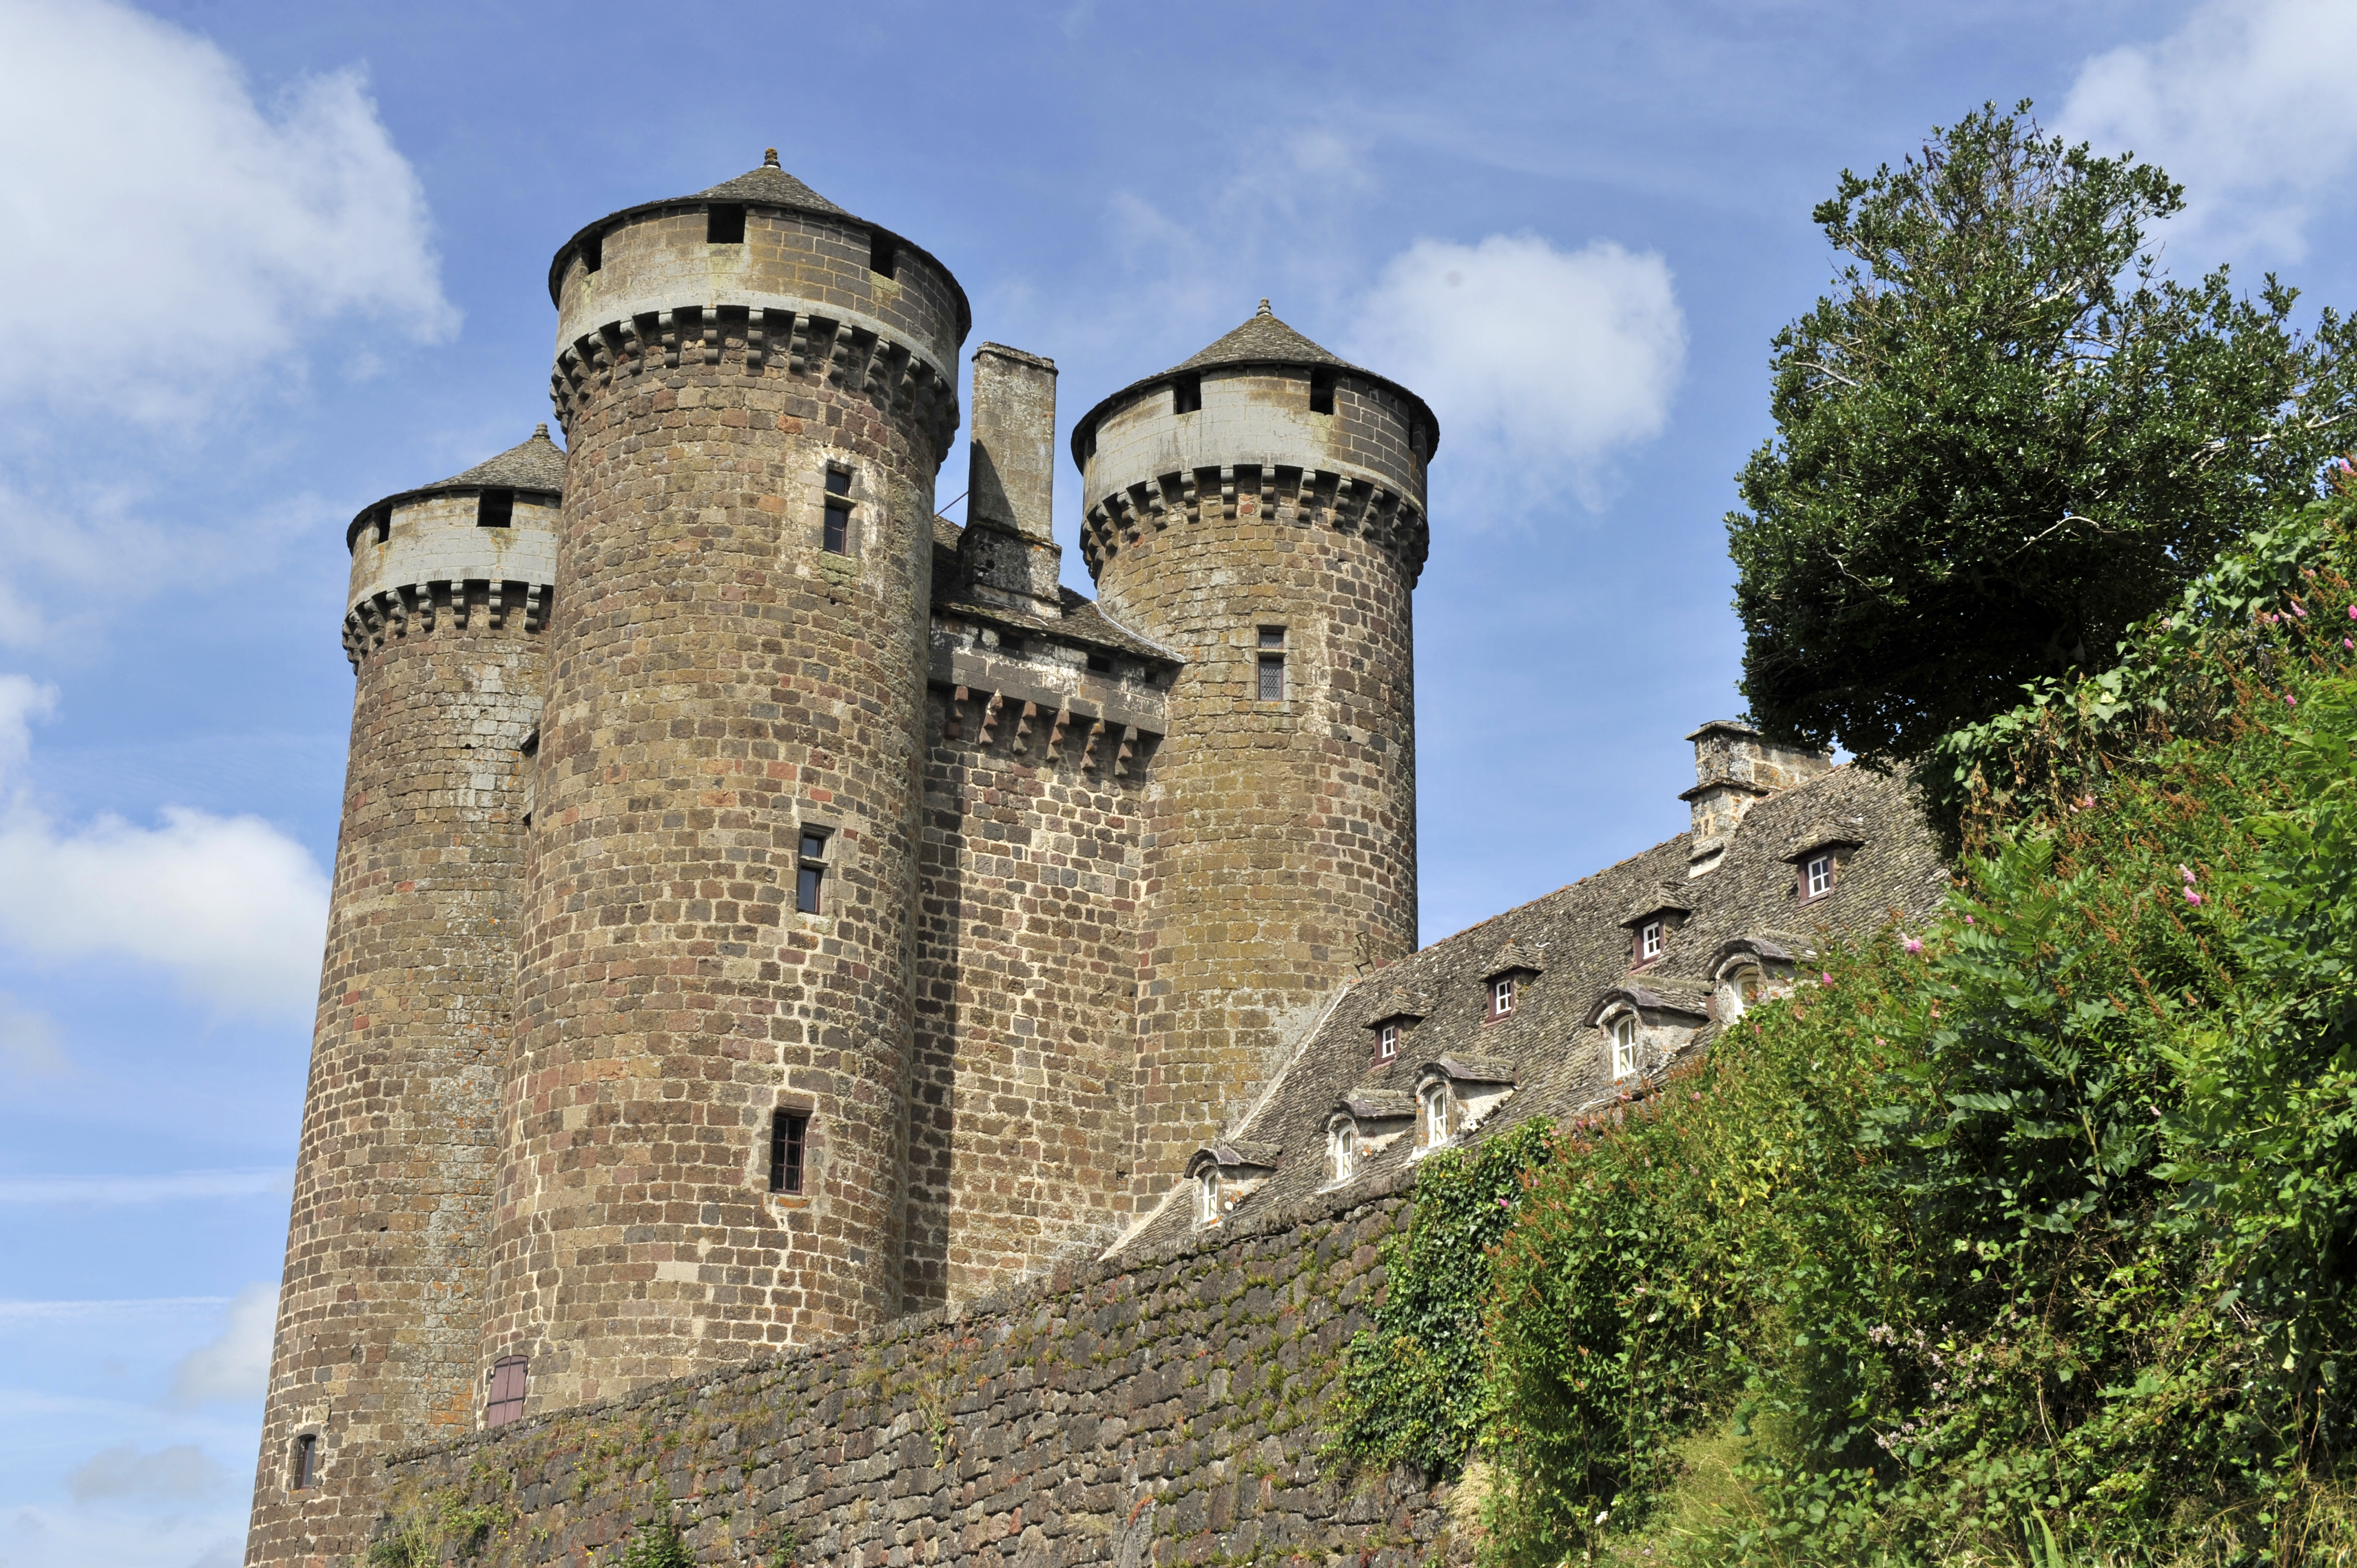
(764, 908)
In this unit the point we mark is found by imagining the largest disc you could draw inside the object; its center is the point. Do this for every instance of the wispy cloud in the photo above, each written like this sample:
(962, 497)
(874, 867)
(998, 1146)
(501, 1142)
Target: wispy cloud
(167, 240)
(165, 1186)
(236, 1365)
(1542, 364)
(122, 1307)
(181, 1470)
(2247, 103)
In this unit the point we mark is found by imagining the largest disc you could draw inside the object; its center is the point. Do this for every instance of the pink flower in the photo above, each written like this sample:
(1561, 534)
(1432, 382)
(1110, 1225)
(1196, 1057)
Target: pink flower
(1827, 978)
(1912, 945)
(2185, 873)
(2266, 618)
(2352, 612)
(1968, 919)
(2290, 700)
(2298, 610)
(2191, 897)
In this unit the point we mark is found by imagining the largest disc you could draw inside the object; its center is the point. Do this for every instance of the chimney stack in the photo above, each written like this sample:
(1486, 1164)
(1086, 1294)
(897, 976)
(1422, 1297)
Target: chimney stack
(1008, 554)
(1735, 769)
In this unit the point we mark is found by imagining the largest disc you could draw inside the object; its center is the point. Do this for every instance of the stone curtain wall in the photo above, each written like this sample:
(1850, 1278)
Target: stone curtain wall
(1164, 1410)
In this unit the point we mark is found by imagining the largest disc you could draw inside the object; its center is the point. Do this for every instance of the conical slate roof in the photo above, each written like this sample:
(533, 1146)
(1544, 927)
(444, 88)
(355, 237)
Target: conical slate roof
(1263, 339)
(536, 463)
(768, 186)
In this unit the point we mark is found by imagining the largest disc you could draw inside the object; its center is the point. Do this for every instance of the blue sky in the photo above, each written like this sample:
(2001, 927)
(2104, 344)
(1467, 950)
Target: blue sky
(263, 263)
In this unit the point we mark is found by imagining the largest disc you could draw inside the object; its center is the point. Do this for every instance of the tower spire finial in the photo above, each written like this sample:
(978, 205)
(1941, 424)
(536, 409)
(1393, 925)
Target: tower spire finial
(770, 158)
(1264, 309)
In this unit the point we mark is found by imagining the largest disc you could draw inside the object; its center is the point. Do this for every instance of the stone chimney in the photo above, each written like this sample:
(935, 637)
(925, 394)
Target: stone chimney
(1733, 770)
(1008, 555)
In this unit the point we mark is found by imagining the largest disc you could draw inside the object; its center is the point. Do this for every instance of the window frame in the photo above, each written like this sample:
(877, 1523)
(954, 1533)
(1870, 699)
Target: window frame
(1433, 1106)
(513, 1403)
(303, 1462)
(812, 869)
(1811, 888)
(1342, 1151)
(1207, 1196)
(789, 1161)
(1625, 1046)
(1652, 936)
(835, 535)
(1503, 997)
(1387, 1038)
(1270, 649)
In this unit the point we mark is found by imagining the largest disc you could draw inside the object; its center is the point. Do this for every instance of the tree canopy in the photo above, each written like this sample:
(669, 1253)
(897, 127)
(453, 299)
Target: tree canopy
(2004, 437)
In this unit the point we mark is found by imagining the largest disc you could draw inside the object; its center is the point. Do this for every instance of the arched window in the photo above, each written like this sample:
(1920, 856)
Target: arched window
(1436, 1115)
(1343, 1148)
(1207, 1197)
(1624, 1047)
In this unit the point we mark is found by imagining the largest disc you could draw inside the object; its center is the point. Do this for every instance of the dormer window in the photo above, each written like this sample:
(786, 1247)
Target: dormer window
(1624, 1047)
(1649, 941)
(1501, 997)
(1207, 1196)
(1386, 1043)
(1817, 875)
(1342, 1151)
(1433, 1114)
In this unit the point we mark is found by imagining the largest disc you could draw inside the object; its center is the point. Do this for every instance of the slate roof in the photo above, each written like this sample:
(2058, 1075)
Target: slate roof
(535, 464)
(1263, 339)
(1564, 1062)
(1082, 624)
(768, 186)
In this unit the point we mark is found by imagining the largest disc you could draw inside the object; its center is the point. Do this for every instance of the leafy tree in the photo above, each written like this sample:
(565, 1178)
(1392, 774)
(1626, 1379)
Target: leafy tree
(2005, 438)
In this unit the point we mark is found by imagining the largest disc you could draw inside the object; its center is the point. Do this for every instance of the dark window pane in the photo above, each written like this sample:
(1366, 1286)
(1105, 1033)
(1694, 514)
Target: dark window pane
(307, 1462)
(789, 1132)
(1272, 677)
(882, 254)
(814, 846)
(838, 527)
(1322, 391)
(1187, 394)
(838, 481)
(496, 508)
(806, 890)
(724, 224)
(1272, 637)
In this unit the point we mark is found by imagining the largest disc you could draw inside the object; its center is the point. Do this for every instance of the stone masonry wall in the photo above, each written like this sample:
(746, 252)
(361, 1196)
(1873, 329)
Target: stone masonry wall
(1163, 1410)
(1026, 971)
(383, 1292)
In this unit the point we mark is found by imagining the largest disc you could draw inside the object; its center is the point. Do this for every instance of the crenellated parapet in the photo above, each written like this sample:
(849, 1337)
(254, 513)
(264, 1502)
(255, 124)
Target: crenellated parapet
(1288, 494)
(844, 349)
(393, 614)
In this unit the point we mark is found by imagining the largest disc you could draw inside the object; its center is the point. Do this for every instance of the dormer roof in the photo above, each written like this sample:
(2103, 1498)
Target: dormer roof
(1513, 957)
(1822, 835)
(1376, 1105)
(1468, 1072)
(1653, 901)
(1776, 947)
(1386, 1006)
(1655, 996)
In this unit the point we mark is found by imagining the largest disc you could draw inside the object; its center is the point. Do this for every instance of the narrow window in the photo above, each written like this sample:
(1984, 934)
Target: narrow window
(1501, 997)
(1649, 943)
(1207, 1197)
(1624, 1047)
(495, 509)
(1820, 874)
(1271, 664)
(724, 224)
(789, 1136)
(1346, 1152)
(1436, 1115)
(508, 1380)
(1186, 396)
(593, 253)
(838, 511)
(809, 883)
(883, 255)
(1388, 1042)
(1101, 663)
(1322, 391)
(1010, 645)
(381, 518)
(305, 1468)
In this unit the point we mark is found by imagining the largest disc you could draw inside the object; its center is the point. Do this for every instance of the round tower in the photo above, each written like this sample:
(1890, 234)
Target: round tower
(1260, 510)
(379, 1311)
(707, 1103)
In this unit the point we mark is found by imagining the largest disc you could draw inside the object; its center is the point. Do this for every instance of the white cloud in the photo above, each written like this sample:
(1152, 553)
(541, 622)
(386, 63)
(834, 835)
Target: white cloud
(164, 237)
(1542, 364)
(236, 1366)
(181, 1471)
(13, 1312)
(2247, 104)
(165, 1186)
(231, 905)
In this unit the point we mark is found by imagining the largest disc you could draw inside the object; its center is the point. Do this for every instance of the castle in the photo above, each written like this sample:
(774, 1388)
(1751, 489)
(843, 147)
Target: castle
(764, 909)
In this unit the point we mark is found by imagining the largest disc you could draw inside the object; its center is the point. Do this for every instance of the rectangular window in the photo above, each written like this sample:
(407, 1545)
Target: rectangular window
(810, 881)
(495, 509)
(303, 1467)
(1624, 1047)
(883, 255)
(838, 511)
(1186, 396)
(593, 253)
(1100, 663)
(1388, 1042)
(1649, 943)
(724, 224)
(1819, 875)
(789, 1137)
(1271, 664)
(508, 1378)
(1501, 998)
(1322, 391)
(382, 520)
